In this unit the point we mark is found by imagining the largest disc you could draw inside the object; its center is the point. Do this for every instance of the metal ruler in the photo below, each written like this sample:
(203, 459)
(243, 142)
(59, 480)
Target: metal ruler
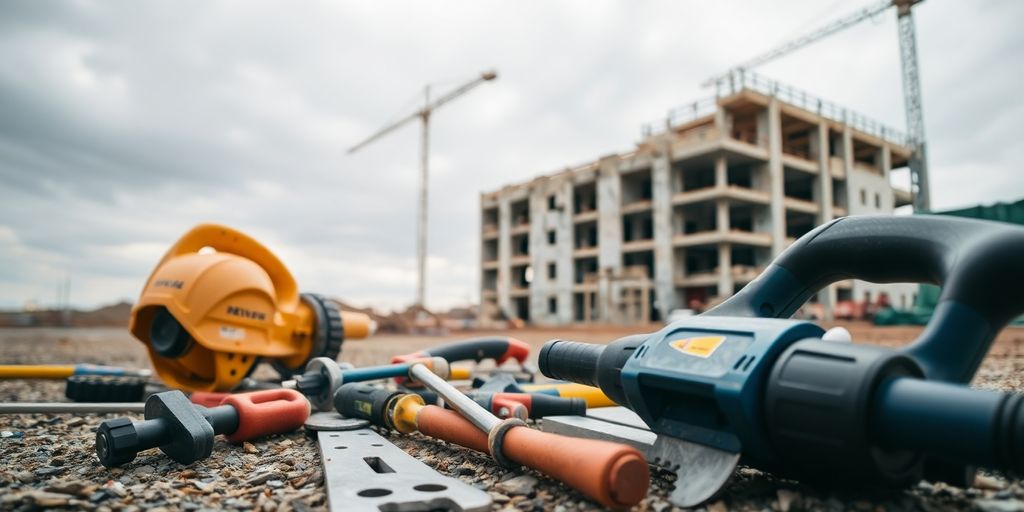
(365, 472)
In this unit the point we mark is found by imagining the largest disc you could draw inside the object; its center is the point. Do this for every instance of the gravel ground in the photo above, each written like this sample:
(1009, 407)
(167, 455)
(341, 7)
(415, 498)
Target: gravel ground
(49, 460)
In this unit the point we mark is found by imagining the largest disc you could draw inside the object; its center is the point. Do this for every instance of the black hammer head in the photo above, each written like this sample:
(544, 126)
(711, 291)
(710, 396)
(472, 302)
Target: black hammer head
(187, 436)
(173, 423)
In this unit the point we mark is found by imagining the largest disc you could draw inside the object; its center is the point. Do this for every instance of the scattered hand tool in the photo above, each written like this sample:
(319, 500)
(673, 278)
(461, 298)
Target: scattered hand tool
(219, 300)
(324, 376)
(499, 348)
(519, 405)
(184, 431)
(63, 371)
(742, 378)
(593, 396)
(614, 475)
(698, 477)
(365, 472)
(70, 407)
(105, 388)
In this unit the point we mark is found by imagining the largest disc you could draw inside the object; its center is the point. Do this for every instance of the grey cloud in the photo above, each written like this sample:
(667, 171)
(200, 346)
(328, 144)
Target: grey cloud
(122, 124)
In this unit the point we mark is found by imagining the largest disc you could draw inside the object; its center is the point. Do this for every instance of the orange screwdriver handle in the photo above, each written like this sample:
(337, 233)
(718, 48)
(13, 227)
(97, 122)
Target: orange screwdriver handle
(612, 474)
(271, 411)
(448, 425)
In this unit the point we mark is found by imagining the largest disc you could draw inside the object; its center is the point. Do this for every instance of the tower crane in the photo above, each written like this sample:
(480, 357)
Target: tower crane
(423, 115)
(911, 80)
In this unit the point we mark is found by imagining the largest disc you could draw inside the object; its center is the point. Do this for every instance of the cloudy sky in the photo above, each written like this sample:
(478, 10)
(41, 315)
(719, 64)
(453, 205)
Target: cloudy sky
(123, 124)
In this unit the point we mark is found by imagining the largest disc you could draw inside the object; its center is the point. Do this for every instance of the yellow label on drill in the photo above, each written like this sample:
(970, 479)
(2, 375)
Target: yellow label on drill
(364, 407)
(701, 346)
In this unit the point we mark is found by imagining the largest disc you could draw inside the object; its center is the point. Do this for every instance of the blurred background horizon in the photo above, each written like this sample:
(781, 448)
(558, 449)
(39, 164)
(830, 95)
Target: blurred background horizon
(124, 124)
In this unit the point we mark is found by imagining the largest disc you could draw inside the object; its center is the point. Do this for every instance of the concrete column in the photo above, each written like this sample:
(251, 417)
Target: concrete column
(721, 172)
(664, 287)
(776, 177)
(563, 262)
(609, 230)
(725, 283)
(539, 255)
(504, 284)
(852, 193)
(827, 296)
(722, 122)
(886, 163)
(825, 213)
(722, 216)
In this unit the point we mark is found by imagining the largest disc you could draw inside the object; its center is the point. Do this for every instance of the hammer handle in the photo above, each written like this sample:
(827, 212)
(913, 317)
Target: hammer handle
(262, 413)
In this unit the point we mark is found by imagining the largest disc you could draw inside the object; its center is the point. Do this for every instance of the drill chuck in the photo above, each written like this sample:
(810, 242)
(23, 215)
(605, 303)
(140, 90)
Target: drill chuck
(590, 364)
(570, 360)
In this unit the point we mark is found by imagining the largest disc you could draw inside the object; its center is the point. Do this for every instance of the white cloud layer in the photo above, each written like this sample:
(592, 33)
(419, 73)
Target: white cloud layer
(122, 124)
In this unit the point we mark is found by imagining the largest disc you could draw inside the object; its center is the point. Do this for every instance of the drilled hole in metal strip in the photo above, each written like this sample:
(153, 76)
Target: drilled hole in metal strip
(430, 487)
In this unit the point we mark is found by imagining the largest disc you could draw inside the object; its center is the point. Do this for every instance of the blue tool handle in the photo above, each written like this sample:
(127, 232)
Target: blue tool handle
(375, 372)
(979, 265)
(956, 423)
(92, 369)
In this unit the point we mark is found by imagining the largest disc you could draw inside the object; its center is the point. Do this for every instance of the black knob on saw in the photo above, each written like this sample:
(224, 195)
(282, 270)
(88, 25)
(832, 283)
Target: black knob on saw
(167, 336)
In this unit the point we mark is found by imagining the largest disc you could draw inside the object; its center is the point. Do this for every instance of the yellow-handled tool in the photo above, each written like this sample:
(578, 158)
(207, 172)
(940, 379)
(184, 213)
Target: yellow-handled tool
(63, 371)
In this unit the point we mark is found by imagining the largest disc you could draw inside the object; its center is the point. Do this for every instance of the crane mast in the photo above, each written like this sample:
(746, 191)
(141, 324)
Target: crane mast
(423, 115)
(912, 103)
(918, 161)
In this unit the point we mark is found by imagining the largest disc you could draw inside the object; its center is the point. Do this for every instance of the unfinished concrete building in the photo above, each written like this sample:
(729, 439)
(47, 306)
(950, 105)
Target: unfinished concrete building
(692, 214)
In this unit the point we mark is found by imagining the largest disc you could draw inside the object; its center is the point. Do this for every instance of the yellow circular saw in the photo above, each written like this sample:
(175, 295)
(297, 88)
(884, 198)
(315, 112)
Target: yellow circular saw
(219, 302)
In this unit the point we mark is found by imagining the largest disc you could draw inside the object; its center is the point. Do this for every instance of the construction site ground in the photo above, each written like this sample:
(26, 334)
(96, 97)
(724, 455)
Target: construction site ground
(49, 462)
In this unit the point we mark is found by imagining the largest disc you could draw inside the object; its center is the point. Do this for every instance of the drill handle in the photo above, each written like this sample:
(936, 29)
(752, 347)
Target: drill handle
(977, 263)
(262, 413)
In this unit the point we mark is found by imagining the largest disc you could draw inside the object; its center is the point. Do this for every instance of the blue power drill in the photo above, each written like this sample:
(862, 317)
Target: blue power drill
(744, 378)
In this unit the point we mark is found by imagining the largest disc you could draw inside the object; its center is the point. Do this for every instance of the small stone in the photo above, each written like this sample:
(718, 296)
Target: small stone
(718, 506)
(238, 503)
(49, 471)
(786, 499)
(48, 499)
(143, 470)
(261, 478)
(98, 496)
(498, 497)
(25, 477)
(520, 485)
(115, 489)
(202, 486)
(999, 505)
(988, 483)
(75, 422)
(74, 487)
(269, 506)
(249, 447)
(275, 484)
(9, 434)
(286, 443)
